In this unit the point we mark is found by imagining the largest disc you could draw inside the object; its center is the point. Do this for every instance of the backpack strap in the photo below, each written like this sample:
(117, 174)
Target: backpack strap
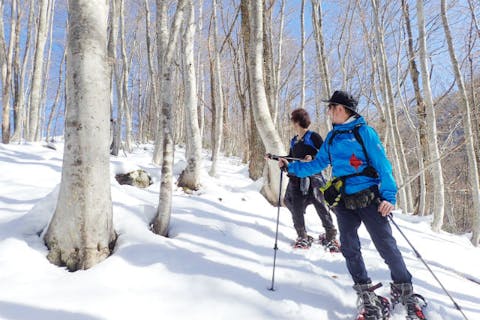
(292, 142)
(307, 139)
(356, 133)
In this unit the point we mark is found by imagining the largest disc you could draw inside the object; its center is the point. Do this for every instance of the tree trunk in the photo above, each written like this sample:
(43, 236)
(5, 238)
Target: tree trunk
(127, 112)
(302, 57)
(268, 69)
(263, 119)
(169, 42)
(112, 58)
(81, 232)
(278, 66)
(437, 174)
(322, 60)
(20, 95)
(153, 76)
(389, 105)
(46, 75)
(190, 177)
(467, 128)
(256, 161)
(422, 153)
(7, 84)
(162, 43)
(36, 89)
(218, 95)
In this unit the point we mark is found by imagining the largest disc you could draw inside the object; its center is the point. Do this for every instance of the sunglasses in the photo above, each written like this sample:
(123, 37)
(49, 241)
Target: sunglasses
(332, 105)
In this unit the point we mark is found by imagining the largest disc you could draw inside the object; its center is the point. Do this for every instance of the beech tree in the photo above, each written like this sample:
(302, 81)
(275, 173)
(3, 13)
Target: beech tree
(81, 231)
(167, 41)
(37, 76)
(260, 110)
(437, 174)
(190, 177)
(467, 127)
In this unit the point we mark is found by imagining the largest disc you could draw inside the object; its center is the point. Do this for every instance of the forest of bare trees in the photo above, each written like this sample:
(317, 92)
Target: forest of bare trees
(224, 75)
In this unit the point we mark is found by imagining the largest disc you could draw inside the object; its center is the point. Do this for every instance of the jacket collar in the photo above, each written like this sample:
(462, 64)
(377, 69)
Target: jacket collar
(350, 124)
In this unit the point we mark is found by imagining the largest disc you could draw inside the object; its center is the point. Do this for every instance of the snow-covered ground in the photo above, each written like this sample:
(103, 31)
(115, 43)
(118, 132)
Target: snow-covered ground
(217, 263)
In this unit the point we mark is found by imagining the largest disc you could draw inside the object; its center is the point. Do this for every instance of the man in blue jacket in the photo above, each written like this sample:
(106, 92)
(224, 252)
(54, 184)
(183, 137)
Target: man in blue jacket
(368, 192)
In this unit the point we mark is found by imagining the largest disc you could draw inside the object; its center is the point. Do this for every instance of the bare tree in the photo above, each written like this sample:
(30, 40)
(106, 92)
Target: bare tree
(303, 63)
(124, 104)
(114, 81)
(190, 177)
(278, 65)
(7, 83)
(169, 43)
(153, 76)
(387, 94)
(321, 57)
(217, 94)
(437, 174)
(81, 231)
(421, 132)
(36, 88)
(261, 114)
(467, 127)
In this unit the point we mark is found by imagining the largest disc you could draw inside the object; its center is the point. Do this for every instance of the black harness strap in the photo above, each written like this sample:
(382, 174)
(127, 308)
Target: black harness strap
(369, 171)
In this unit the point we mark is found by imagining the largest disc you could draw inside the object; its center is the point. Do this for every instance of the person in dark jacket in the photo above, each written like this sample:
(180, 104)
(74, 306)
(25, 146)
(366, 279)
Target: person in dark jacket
(304, 191)
(367, 194)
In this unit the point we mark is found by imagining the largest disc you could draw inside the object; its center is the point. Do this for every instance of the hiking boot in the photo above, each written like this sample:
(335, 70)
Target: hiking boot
(369, 305)
(330, 234)
(328, 240)
(414, 303)
(303, 242)
(332, 246)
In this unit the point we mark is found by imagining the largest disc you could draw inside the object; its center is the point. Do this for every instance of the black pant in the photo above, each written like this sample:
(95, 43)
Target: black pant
(381, 233)
(296, 202)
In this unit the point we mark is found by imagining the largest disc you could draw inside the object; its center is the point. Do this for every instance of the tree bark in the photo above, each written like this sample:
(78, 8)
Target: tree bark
(112, 58)
(190, 177)
(302, 58)
(169, 43)
(317, 20)
(81, 231)
(278, 65)
(467, 128)
(7, 84)
(153, 76)
(263, 119)
(437, 174)
(389, 105)
(127, 110)
(217, 95)
(36, 88)
(421, 132)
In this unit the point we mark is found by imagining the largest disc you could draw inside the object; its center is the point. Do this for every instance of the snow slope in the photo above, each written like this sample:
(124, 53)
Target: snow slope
(217, 263)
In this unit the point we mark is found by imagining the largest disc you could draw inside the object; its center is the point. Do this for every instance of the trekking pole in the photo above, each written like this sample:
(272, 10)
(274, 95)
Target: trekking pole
(275, 247)
(426, 265)
(275, 157)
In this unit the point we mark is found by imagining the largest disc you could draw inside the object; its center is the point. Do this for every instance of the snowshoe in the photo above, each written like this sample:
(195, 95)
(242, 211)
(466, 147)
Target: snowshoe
(303, 242)
(414, 303)
(330, 245)
(415, 306)
(370, 305)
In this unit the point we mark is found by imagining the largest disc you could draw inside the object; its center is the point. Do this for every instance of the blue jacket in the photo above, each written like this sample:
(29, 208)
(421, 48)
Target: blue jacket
(347, 157)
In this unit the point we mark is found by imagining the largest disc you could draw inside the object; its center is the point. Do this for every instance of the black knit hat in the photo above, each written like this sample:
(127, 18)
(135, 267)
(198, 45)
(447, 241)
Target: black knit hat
(344, 98)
